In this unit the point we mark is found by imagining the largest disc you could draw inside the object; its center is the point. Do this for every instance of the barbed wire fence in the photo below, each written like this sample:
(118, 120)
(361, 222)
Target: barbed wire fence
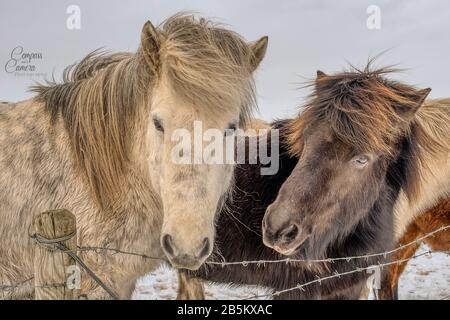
(331, 260)
(57, 245)
(339, 275)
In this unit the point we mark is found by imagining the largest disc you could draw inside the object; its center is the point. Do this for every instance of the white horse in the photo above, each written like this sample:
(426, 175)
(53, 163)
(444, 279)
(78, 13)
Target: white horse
(99, 144)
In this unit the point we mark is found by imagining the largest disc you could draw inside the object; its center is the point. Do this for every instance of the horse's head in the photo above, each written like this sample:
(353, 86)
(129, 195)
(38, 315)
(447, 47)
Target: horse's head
(347, 138)
(203, 90)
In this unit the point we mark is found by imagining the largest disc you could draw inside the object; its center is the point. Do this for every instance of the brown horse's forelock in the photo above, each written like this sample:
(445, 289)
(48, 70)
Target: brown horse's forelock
(362, 108)
(103, 100)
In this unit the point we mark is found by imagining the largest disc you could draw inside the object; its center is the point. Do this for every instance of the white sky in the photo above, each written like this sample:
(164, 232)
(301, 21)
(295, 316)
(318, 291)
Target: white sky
(304, 35)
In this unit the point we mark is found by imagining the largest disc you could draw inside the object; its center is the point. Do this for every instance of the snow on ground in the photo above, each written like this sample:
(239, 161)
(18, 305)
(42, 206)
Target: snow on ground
(427, 277)
(163, 284)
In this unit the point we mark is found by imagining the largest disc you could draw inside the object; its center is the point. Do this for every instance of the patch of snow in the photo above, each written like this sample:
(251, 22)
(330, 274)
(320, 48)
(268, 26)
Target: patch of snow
(426, 277)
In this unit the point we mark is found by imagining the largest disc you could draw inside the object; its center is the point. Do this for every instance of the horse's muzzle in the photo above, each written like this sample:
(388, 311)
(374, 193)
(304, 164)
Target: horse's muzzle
(285, 239)
(183, 260)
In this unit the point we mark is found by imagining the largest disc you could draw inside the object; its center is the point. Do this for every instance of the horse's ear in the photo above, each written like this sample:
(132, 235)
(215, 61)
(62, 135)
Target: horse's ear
(422, 96)
(418, 99)
(259, 49)
(151, 44)
(320, 75)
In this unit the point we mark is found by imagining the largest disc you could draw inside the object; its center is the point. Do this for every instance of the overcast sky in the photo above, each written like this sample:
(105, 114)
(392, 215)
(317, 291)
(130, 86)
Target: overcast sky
(304, 35)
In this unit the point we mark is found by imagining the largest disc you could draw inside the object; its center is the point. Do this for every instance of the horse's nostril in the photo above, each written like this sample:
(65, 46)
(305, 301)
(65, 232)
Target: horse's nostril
(288, 234)
(167, 244)
(205, 248)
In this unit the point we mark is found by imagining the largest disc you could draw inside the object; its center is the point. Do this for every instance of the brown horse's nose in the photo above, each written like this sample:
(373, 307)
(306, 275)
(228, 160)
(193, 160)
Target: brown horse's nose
(185, 260)
(283, 238)
(285, 235)
(288, 234)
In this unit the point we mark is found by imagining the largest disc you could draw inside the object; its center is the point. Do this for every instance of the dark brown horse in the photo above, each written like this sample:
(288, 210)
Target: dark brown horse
(239, 238)
(347, 176)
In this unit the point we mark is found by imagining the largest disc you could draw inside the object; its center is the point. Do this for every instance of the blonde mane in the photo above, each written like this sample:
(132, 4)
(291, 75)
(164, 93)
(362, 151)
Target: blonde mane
(429, 136)
(104, 100)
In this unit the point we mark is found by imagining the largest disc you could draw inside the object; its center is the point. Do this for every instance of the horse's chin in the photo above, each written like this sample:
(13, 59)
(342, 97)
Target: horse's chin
(188, 266)
(311, 247)
(294, 252)
(288, 253)
(308, 251)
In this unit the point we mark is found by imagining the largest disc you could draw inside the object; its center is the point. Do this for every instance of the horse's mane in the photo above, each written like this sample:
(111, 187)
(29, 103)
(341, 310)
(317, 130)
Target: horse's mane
(364, 110)
(104, 99)
(99, 101)
(429, 141)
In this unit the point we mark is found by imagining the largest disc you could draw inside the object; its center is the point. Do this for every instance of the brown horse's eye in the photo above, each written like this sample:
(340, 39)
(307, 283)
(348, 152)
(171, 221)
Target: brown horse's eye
(360, 160)
(158, 124)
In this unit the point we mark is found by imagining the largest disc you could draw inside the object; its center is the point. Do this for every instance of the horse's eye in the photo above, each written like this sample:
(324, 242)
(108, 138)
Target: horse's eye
(361, 160)
(231, 129)
(158, 124)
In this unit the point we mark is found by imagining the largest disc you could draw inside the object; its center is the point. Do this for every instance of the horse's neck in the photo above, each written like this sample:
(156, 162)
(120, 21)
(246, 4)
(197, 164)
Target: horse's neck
(434, 186)
(373, 233)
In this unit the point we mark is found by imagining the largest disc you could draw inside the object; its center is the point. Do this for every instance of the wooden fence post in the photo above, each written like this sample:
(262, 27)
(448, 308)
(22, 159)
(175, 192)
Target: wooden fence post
(50, 266)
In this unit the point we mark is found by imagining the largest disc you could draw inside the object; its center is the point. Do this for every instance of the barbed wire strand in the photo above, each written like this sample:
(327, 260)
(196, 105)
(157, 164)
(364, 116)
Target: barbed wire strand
(262, 262)
(56, 244)
(12, 287)
(338, 275)
(80, 262)
(22, 284)
(348, 259)
(118, 251)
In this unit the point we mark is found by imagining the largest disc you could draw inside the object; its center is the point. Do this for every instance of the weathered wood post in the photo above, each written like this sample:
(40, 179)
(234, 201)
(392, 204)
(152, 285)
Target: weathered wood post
(50, 265)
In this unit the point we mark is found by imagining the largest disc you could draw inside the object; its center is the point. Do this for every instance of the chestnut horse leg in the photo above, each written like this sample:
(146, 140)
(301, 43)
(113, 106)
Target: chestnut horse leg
(189, 288)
